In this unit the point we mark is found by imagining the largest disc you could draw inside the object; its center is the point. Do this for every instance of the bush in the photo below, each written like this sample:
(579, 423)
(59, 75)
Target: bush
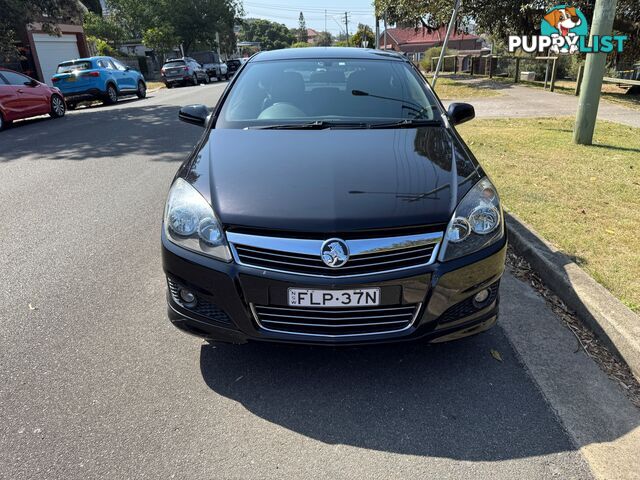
(102, 47)
(300, 45)
(433, 52)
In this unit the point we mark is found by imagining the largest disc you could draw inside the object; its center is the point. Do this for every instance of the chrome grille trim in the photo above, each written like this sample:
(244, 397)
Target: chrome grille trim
(411, 313)
(302, 256)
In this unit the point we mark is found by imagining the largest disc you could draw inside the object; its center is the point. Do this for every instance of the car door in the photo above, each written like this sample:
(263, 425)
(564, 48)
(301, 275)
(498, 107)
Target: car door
(125, 76)
(28, 99)
(8, 98)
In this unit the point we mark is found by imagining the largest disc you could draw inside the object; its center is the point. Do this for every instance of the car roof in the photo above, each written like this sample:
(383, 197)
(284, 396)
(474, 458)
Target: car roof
(327, 52)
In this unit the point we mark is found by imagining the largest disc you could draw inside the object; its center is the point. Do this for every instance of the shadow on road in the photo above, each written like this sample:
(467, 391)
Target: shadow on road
(452, 400)
(117, 131)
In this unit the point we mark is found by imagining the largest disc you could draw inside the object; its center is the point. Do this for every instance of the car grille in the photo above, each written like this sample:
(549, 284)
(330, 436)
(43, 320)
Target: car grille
(468, 307)
(202, 307)
(303, 256)
(336, 322)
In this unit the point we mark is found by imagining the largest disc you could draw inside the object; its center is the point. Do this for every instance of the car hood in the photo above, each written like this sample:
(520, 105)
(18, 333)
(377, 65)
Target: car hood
(333, 180)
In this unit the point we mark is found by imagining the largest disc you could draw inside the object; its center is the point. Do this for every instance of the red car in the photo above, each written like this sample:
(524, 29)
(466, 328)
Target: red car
(23, 97)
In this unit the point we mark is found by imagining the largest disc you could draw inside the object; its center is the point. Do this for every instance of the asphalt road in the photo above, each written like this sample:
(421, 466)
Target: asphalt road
(96, 383)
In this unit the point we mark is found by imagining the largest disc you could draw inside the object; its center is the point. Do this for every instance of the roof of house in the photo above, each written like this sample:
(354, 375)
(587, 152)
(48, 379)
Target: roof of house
(422, 35)
(311, 32)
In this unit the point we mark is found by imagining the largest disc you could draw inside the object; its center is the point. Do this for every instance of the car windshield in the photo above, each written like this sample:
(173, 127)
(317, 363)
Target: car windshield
(177, 63)
(327, 91)
(73, 66)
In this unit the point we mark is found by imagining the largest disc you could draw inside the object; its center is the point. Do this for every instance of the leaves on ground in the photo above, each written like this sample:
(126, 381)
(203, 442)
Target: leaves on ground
(496, 354)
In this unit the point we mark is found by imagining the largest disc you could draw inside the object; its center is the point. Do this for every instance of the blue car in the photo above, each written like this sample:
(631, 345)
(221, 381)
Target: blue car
(97, 78)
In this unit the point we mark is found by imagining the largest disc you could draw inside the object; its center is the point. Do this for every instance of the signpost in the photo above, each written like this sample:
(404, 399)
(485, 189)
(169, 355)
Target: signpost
(452, 22)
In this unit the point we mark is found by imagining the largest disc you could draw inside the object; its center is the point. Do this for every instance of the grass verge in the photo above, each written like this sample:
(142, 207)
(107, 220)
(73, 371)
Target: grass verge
(584, 199)
(449, 89)
(154, 85)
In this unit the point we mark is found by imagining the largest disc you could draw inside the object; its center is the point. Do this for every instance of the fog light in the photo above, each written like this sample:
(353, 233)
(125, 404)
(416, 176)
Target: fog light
(482, 296)
(187, 296)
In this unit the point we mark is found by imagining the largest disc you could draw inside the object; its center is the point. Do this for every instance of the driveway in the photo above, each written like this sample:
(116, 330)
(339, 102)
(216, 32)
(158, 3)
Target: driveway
(518, 101)
(96, 383)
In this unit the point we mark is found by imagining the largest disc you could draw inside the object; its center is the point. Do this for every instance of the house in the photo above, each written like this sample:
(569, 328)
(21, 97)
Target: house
(312, 36)
(414, 41)
(39, 53)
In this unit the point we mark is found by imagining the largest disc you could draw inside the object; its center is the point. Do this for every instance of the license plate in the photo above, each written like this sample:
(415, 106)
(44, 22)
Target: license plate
(72, 78)
(364, 297)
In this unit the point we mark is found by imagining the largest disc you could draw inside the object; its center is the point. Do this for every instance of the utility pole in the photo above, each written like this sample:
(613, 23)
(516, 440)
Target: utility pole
(384, 23)
(346, 25)
(602, 24)
(452, 22)
(377, 32)
(325, 20)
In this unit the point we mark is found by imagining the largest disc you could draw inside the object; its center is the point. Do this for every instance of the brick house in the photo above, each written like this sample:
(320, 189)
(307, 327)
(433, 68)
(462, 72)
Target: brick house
(414, 41)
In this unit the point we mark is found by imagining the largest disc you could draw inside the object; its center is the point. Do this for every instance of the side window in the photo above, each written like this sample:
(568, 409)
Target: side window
(2, 80)
(102, 63)
(14, 78)
(118, 65)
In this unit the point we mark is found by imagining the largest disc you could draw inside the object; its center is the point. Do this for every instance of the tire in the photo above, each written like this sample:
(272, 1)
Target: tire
(142, 90)
(71, 106)
(226, 76)
(3, 123)
(169, 85)
(58, 107)
(206, 80)
(112, 95)
(194, 80)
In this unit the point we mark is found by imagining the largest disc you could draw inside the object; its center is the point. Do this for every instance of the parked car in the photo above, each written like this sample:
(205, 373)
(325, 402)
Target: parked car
(183, 71)
(233, 65)
(24, 97)
(332, 201)
(98, 78)
(212, 64)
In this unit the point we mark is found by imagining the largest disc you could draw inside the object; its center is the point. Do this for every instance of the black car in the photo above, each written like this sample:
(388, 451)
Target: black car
(331, 201)
(233, 65)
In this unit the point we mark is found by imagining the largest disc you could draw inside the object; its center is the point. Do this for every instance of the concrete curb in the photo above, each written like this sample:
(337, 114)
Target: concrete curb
(612, 322)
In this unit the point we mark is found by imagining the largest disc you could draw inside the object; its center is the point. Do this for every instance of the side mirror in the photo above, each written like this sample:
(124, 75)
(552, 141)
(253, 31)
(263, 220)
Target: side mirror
(32, 83)
(194, 114)
(126, 69)
(460, 112)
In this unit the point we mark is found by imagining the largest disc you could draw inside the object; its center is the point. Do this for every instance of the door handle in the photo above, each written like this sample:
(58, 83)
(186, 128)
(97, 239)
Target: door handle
(20, 91)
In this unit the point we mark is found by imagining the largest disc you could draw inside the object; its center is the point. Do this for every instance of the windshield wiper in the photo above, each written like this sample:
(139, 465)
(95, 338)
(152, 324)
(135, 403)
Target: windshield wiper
(408, 123)
(317, 125)
(414, 107)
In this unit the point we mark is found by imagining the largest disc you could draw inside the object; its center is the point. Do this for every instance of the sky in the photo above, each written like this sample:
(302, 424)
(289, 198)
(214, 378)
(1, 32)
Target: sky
(288, 11)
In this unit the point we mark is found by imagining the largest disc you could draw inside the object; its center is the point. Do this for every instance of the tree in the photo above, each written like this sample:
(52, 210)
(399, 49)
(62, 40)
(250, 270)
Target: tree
(364, 33)
(302, 29)
(324, 39)
(16, 14)
(502, 18)
(193, 22)
(104, 28)
(271, 35)
(162, 39)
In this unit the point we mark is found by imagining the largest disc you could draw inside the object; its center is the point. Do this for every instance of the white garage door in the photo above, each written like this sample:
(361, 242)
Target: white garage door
(54, 50)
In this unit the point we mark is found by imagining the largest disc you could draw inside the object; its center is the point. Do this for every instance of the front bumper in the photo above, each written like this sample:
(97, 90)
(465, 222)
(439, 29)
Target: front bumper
(228, 291)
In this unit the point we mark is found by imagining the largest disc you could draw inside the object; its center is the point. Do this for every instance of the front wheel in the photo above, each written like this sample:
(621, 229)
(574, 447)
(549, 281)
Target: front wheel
(194, 80)
(112, 95)
(3, 123)
(58, 108)
(226, 76)
(142, 90)
(71, 106)
(206, 79)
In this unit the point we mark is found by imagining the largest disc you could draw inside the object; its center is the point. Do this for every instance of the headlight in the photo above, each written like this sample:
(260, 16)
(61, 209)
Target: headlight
(189, 221)
(476, 223)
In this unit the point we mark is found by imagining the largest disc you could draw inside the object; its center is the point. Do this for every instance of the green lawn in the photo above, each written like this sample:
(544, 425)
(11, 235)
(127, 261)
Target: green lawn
(449, 89)
(583, 199)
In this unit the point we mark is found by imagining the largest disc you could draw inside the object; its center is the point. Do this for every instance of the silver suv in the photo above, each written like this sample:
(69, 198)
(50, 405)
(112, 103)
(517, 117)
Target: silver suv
(183, 71)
